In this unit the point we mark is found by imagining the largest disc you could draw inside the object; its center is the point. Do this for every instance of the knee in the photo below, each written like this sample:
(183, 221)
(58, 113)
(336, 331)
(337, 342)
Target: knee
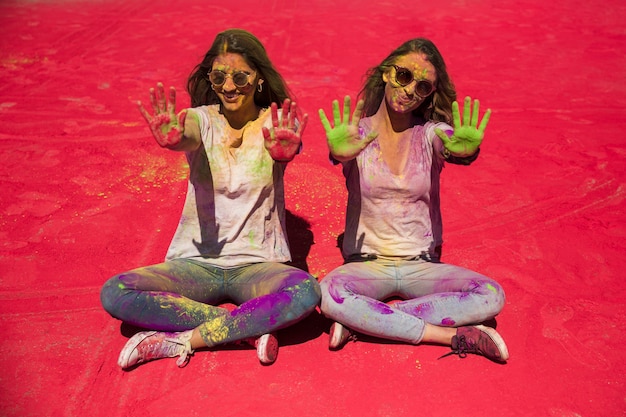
(495, 297)
(333, 296)
(111, 293)
(303, 292)
(310, 293)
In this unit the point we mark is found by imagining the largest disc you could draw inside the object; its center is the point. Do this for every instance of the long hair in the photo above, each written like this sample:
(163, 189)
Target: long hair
(436, 107)
(244, 43)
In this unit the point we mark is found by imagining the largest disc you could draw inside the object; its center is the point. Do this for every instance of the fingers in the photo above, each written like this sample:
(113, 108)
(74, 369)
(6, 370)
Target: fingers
(144, 112)
(153, 101)
(291, 119)
(287, 118)
(470, 115)
(162, 102)
(475, 113)
(340, 118)
(159, 102)
(171, 103)
(443, 136)
(274, 110)
(182, 116)
(285, 113)
(356, 116)
(456, 118)
(336, 114)
(483, 123)
(266, 134)
(324, 120)
(467, 106)
(346, 110)
(305, 120)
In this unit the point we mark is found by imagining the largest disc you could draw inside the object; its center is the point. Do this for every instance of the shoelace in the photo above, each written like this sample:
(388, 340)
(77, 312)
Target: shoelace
(187, 351)
(462, 348)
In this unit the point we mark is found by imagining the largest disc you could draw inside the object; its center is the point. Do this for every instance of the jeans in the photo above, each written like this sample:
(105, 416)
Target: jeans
(436, 293)
(182, 294)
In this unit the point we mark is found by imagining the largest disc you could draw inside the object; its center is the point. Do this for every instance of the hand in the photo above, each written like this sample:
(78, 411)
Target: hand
(166, 127)
(283, 140)
(466, 137)
(344, 140)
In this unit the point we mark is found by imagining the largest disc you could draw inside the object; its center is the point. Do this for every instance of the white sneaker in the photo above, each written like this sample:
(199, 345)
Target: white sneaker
(147, 346)
(266, 348)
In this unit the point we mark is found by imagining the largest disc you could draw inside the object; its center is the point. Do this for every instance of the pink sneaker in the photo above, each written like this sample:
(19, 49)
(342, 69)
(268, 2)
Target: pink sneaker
(147, 346)
(338, 336)
(480, 340)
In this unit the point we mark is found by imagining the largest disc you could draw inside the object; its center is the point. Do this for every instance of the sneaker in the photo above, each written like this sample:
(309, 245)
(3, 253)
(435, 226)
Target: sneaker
(480, 340)
(266, 348)
(338, 336)
(147, 346)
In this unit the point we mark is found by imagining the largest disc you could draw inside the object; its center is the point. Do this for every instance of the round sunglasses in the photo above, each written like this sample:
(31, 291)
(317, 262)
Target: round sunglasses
(240, 78)
(404, 77)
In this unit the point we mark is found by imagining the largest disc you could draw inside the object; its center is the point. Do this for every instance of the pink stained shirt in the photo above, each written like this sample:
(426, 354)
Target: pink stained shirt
(234, 211)
(395, 216)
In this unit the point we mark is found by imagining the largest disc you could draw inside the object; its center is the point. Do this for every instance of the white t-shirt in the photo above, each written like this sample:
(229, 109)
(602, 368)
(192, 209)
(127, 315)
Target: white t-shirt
(394, 216)
(234, 210)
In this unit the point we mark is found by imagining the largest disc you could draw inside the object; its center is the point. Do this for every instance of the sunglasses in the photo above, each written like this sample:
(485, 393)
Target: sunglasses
(240, 79)
(404, 77)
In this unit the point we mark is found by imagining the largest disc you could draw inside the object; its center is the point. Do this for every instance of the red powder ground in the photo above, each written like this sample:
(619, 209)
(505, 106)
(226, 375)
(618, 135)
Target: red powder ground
(86, 193)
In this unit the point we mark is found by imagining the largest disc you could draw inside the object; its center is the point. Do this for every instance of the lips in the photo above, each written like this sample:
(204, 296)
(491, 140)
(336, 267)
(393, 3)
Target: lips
(405, 101)
(231, 97)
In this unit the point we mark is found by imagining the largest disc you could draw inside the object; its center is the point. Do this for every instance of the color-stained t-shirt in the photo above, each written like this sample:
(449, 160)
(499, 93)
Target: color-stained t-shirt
(394, 216)
(234, 211)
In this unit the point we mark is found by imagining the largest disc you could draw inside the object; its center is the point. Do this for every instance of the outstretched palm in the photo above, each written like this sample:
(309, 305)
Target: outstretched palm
(468, 136)
(283, 139)
(166, 127)
(344, 140)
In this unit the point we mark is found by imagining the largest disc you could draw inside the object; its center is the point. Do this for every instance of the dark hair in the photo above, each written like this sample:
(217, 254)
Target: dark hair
(436, 107)
(244, 43)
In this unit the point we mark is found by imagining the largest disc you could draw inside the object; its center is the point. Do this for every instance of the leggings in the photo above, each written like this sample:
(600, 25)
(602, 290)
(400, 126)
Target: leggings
(436, 293)
(181, 294)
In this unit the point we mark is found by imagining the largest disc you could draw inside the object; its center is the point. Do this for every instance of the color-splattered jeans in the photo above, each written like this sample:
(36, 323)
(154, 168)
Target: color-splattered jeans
(435, 293)
(181, 294)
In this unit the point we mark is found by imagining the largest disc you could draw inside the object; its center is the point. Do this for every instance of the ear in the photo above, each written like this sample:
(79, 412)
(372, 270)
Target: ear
(386, 76)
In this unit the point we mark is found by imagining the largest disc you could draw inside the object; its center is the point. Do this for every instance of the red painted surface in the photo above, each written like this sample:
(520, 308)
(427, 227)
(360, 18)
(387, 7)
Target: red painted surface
(87, 193)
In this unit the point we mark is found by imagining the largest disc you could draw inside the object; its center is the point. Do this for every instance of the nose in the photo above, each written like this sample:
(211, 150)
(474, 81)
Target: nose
(229, 85)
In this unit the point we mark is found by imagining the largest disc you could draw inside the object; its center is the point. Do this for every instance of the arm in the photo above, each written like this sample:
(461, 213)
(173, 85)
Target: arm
(344, 140)
(171, 131)
(284, 139)
(462, 146)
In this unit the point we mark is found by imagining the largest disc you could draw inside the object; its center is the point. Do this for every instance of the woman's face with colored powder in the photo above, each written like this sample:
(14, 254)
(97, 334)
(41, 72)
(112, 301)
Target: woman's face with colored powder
(234, 82)
(408, 82)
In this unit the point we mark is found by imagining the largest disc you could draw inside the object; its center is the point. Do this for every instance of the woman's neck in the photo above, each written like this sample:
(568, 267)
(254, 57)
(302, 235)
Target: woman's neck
(393, 121)
(238, 119)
